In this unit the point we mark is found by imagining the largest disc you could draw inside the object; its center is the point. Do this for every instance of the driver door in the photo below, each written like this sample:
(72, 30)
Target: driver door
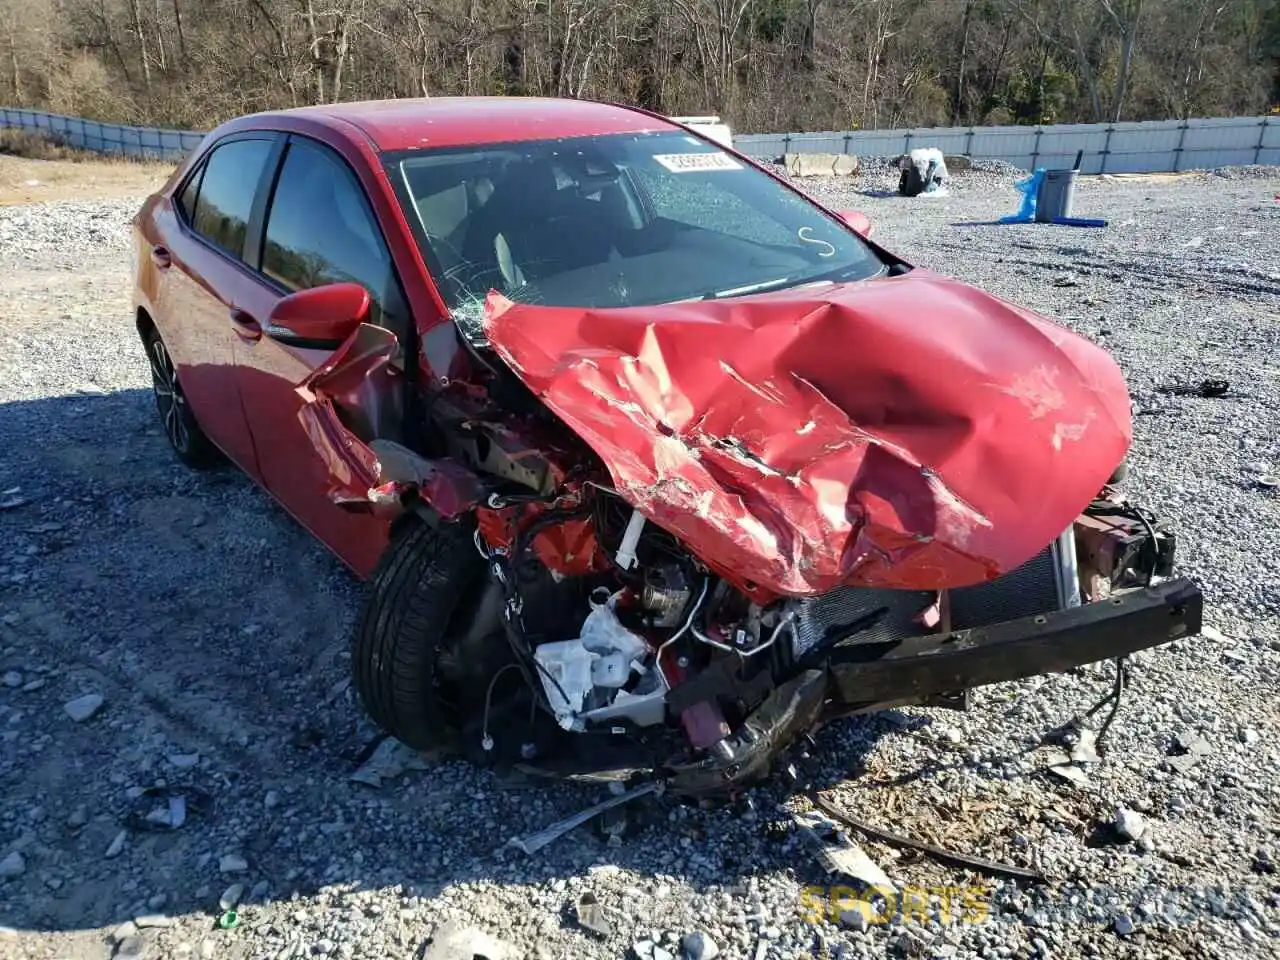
(318, 228)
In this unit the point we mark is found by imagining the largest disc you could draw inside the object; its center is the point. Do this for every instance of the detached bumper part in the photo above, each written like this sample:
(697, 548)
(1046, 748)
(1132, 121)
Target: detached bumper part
(858, 676)
(920, 667)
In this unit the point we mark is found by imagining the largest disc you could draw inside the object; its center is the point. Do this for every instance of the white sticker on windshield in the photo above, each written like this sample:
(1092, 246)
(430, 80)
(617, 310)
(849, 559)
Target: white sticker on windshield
(695, 162)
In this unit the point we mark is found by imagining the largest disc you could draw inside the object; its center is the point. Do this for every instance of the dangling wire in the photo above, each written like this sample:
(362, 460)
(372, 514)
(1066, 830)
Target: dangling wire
(486, 741)
(1114, 697)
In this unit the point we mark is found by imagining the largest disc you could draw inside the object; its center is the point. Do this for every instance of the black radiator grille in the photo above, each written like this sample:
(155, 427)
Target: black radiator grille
(1030, 589)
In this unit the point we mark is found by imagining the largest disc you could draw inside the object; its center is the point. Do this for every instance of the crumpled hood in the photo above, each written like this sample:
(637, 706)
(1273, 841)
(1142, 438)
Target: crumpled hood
(908, 432)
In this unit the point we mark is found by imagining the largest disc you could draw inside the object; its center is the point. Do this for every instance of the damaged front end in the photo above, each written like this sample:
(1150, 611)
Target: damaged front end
(792, 530)
(676, 673)
(709, 528)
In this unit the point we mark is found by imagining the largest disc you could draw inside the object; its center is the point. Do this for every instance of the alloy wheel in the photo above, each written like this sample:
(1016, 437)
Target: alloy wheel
(169, 398)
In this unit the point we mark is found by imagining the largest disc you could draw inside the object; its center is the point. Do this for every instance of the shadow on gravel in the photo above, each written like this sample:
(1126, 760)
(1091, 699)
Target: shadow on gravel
(214, 630)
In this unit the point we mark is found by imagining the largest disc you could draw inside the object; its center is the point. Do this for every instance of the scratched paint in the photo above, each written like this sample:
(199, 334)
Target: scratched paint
(907, 432)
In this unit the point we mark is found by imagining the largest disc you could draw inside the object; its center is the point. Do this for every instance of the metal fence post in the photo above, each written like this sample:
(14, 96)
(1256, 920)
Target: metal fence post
(1035, 149)
(1106, 150)
(1177, 151)
(968, 143)
(1262, 136)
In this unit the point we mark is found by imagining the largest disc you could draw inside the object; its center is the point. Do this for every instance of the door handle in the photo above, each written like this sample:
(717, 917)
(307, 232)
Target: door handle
(161, 257)
(245, 326)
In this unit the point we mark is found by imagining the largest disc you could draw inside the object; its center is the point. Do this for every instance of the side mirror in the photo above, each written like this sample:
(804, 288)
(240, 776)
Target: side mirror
(323, 314)
(860, 222)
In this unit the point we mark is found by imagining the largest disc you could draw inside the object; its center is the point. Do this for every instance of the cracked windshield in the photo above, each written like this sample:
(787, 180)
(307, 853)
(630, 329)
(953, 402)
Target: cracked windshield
(614, 221)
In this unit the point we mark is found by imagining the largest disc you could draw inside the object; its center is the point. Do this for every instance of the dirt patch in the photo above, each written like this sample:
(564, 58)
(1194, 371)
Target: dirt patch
(1150, 177)
(32, 181)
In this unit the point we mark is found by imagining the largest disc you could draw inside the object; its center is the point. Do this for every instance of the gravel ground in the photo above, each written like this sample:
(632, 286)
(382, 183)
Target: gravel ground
(163, 630)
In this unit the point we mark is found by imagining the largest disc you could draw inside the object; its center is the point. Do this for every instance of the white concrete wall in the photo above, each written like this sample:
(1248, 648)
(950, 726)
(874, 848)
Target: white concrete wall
(1159, 146)
(1150, 147)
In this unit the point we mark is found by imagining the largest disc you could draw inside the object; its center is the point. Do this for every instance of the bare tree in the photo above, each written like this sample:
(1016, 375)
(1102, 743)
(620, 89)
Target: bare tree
(715, 27)
(763, 64)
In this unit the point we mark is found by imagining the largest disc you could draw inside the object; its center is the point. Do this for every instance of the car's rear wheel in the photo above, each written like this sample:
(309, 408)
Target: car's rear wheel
(176, 417)
(429, 637)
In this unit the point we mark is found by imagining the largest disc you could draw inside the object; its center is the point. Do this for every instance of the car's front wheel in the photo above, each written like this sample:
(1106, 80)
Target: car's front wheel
(429, 640)
(176, 417)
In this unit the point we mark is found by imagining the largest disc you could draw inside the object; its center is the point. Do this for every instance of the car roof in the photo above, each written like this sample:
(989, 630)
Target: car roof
(463, 121)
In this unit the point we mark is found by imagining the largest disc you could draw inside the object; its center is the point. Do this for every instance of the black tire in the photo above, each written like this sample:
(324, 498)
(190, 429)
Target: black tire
(177, 419)
(424, 593)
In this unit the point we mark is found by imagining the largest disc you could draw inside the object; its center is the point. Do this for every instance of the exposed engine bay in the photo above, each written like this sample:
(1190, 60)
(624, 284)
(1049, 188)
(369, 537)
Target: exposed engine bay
(632, 642)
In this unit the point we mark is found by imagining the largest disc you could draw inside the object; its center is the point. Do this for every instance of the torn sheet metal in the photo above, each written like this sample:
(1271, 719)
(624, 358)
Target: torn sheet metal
(357, 393)
(839, 854)
(908, 432)
(449, 487)
(571, 548)
(534, 842)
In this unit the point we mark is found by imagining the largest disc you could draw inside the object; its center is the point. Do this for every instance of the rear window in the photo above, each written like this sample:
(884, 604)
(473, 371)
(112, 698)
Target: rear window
(226, 192)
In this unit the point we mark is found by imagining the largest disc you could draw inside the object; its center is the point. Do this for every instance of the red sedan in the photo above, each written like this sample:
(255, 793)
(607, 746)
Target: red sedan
(654, 463)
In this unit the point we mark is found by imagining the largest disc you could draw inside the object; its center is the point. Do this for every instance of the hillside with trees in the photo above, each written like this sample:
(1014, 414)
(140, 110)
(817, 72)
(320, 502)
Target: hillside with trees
(764, 64)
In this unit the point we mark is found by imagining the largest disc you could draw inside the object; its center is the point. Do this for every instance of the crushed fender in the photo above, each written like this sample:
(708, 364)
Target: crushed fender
(907, 432)
(348, 402)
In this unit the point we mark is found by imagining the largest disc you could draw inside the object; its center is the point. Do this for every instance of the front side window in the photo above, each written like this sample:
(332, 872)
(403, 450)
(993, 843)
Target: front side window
(616, 220)
(321, 230)
(226, 191)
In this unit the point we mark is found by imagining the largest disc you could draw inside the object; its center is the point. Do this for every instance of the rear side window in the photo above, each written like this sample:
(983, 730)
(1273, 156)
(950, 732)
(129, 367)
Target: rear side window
(226, 191)
(320, 229)
(187, 200)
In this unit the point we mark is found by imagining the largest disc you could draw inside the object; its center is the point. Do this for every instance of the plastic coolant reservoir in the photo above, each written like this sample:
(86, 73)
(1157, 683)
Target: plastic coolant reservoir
(603, 633)
(610, 670)
(566, 677)
(602, 657)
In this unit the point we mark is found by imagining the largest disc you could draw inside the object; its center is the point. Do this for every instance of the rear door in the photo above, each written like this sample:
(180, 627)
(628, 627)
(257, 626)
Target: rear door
(201, 260)
(319, 228)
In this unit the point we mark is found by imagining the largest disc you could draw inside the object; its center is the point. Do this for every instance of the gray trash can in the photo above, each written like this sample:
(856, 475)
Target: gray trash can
(1057, 190)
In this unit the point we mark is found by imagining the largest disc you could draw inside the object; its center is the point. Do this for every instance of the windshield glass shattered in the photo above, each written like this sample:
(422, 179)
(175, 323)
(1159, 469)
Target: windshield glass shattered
(614, 221)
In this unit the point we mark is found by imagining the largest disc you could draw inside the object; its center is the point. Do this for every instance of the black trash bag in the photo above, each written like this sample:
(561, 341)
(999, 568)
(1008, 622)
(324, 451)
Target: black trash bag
(912, 183)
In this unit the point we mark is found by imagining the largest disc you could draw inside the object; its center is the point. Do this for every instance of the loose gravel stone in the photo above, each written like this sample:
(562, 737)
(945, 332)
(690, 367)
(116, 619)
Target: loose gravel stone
(116, 846)
(82, 708)
(232, 863)
(1129, 823)
(131, 948)
(231, 897)
(699, 946)
(14, 865)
